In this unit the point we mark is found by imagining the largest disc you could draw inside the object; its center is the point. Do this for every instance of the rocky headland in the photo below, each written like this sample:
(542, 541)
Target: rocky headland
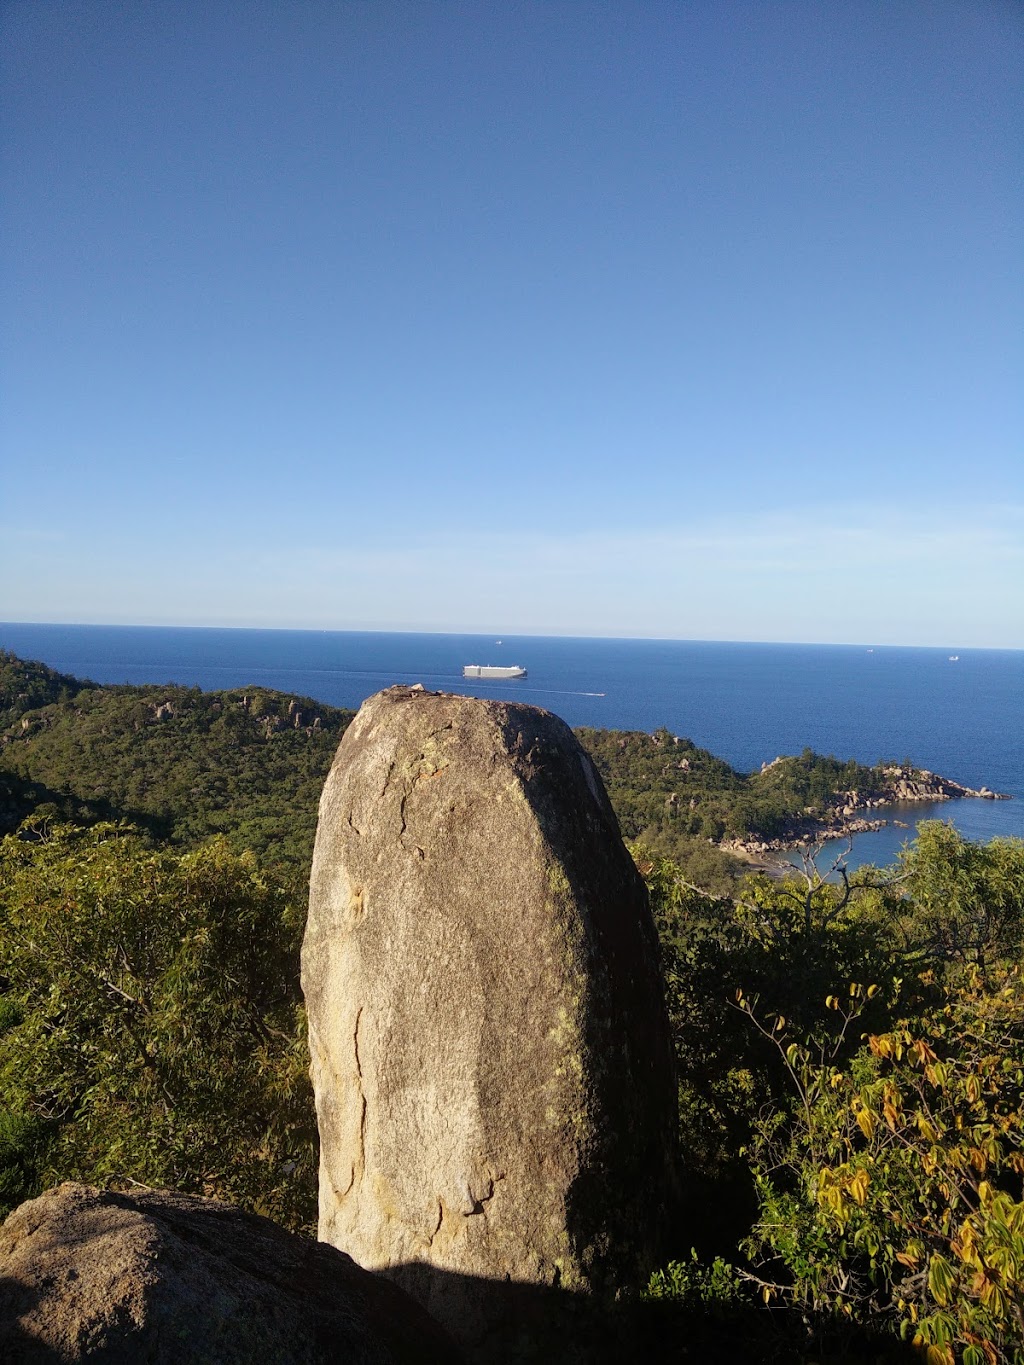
(849, 812)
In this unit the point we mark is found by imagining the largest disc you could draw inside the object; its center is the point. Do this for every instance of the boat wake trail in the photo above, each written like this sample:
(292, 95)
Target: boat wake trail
(558, 692)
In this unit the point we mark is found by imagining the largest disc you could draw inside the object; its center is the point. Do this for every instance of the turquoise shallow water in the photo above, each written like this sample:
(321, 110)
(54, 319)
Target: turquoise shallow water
(745, 702)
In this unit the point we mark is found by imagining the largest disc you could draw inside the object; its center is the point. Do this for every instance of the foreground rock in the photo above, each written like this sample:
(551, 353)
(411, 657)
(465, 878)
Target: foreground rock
(92, 1275)
(490, 1050)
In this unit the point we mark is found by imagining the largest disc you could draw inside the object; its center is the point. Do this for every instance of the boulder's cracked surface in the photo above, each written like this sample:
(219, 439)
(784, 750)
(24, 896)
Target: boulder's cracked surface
(490, 1050)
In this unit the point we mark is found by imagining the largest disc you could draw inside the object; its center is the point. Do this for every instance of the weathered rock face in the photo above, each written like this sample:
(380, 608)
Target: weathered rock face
(91, 1275)
(490, 1050)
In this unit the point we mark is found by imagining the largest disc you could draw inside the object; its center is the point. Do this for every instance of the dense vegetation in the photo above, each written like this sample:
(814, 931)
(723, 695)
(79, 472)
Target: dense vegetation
(851, 1066)
(850, 1054)
(179, 763)
(150, 1021)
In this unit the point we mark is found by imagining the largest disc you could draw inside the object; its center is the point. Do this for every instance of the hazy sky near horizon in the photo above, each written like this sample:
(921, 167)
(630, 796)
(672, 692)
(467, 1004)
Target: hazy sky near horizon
(696, 320)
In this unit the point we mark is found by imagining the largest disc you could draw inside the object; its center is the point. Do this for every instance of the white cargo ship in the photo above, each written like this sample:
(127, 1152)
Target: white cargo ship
(493, 671)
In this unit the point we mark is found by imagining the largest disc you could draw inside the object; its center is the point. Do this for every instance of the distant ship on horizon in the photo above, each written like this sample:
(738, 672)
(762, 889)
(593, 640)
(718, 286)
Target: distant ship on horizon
(493, 671)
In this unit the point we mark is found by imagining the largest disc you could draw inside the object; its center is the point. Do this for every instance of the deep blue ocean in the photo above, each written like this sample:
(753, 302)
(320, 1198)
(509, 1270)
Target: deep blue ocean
(747, 703)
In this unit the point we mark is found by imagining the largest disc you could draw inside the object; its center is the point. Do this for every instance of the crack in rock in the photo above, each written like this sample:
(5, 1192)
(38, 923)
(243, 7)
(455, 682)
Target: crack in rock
(361, 1154)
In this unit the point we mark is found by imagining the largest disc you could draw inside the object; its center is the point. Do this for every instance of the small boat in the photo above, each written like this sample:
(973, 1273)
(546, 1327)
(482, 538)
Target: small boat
(954, 658)
(492, 671)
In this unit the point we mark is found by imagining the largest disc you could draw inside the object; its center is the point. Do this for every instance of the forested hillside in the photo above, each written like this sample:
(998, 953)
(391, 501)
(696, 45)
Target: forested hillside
(683, 801)
(179, 763)
(249, 763)
(850, 1056)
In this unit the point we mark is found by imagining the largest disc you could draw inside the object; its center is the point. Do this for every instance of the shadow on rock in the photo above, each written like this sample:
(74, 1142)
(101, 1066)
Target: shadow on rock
(504, 1323)
(170, 1279)
(18, 1346)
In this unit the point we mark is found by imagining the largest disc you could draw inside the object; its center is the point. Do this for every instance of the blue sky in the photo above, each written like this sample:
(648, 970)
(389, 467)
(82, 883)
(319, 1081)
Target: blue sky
(694, 320)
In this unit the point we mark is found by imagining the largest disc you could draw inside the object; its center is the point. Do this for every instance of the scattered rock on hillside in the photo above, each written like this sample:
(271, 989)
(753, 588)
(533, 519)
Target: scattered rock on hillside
(490, 1049)
(153, 1276)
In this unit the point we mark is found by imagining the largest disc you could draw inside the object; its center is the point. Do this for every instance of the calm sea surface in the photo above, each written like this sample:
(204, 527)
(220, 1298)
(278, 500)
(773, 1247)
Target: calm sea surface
(962, 718)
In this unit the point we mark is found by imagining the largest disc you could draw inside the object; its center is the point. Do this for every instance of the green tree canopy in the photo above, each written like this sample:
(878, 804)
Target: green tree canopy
(151, 1017)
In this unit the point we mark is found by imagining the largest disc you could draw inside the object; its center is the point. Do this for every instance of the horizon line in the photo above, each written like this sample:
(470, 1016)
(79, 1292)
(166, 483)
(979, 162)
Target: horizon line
(511, 635)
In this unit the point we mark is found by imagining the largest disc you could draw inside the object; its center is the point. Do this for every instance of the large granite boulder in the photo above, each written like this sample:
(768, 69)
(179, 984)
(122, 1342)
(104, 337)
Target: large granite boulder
(490, 1049)
(90, 1275)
